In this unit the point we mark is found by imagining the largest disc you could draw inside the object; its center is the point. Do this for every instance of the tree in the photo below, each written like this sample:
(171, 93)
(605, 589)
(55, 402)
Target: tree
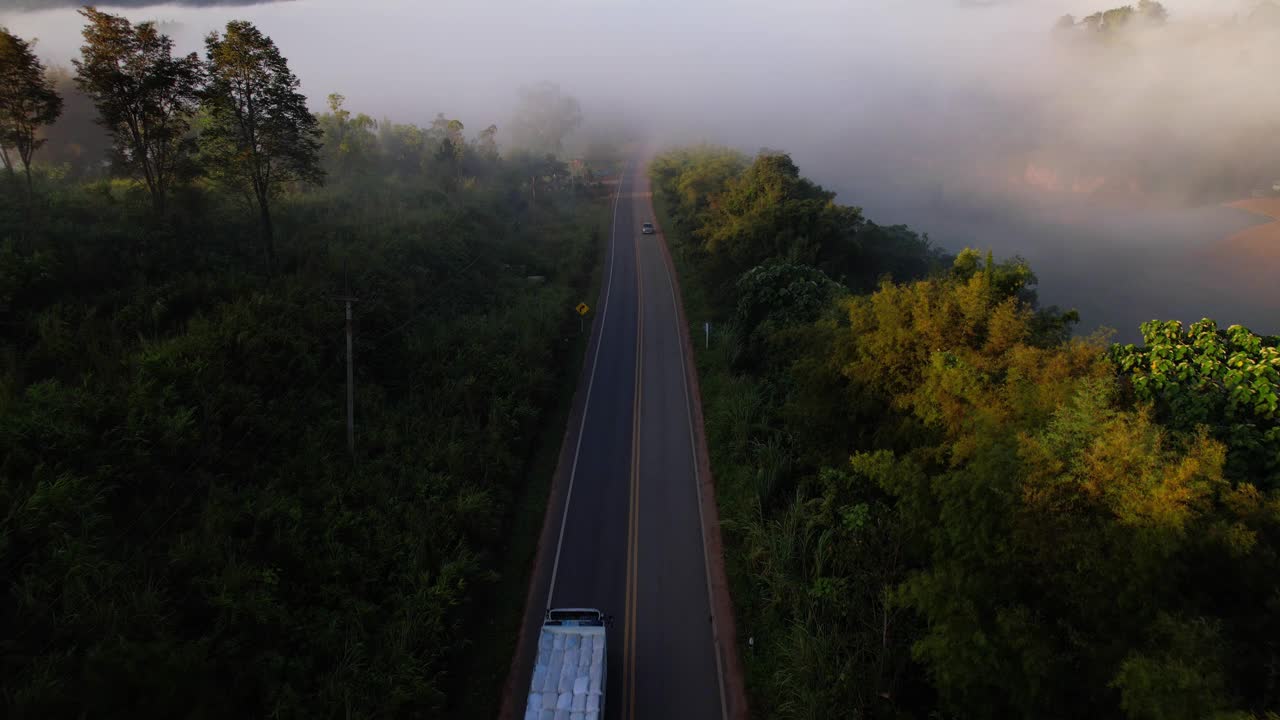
(145, 96)
(350, 143)
(771, 211)
(487, 145)
(1153, 12)
(260, 135)
(1149, 12)
(543, 118)
(403, 146)
(541, 171)
(1117, 19)
(773, 296)
(1225, 380)
(27, 101)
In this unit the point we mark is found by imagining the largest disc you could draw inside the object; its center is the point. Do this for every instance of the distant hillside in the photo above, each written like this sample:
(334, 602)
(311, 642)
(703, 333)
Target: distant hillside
(56, 4)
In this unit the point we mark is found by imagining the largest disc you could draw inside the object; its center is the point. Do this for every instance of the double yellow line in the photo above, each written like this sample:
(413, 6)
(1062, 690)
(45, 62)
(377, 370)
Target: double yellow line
(633, 517)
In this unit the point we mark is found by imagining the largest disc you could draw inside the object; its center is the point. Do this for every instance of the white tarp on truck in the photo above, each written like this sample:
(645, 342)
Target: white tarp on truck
(569, 673)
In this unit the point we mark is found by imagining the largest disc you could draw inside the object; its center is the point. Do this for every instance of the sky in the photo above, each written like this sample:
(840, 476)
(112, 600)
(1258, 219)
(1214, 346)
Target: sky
(965, 120)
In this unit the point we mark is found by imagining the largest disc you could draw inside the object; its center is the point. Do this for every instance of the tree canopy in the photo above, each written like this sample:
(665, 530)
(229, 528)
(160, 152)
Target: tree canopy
(259, 135)
(182, 528)
(28, 102)
(543, 118)
(938, 503)
(146, 97)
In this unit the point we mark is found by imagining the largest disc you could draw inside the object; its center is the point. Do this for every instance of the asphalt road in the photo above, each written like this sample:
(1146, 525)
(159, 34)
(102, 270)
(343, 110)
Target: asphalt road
(624, 530)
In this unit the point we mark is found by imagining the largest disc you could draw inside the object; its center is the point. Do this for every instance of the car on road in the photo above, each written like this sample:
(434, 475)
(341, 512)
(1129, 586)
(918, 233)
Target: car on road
(647, 228)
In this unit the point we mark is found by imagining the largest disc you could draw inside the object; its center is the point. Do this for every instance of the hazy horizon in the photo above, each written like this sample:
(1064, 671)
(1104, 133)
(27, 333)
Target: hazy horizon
(968, 122)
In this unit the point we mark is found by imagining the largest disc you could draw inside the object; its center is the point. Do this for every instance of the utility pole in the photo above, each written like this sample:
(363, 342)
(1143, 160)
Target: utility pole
(351, 388)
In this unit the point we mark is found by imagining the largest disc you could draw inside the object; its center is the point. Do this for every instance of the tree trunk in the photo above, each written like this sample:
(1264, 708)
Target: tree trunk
(30, 204)
(8, 164)
(157, 198)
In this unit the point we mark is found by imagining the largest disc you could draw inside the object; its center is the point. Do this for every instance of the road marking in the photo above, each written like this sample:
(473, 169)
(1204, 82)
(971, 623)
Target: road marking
(697, 481)
(633, 516)
(586, 407)
(635, 475)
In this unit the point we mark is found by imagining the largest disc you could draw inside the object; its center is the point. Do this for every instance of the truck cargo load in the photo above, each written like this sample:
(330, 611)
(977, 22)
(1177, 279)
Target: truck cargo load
(569, 673)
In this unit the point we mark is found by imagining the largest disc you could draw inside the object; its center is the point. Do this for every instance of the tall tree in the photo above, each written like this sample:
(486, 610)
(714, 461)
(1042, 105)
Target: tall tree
(487, 145)
(27, 101)
(260, 135)
(145, 96)
(543, 118)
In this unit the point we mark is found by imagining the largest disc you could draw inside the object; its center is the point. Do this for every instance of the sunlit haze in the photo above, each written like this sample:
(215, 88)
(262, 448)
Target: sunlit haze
(927, 112)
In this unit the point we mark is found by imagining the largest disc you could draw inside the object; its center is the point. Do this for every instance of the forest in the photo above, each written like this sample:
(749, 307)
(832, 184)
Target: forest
(939, 502)
(183, 529)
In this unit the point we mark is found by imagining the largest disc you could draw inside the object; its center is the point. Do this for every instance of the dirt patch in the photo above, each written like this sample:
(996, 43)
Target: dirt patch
(1259, 206)
(1247, 261)
(1260, 242)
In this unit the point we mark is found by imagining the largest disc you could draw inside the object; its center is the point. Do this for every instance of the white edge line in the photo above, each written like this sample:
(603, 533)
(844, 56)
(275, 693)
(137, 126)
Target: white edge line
(697, 480)
(586, 405)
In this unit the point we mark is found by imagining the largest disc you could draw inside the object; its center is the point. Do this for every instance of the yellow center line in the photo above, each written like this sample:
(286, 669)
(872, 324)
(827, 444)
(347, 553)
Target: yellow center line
(633, 517)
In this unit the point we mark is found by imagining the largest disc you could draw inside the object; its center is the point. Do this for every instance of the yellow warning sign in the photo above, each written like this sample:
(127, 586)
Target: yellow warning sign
(583, 309)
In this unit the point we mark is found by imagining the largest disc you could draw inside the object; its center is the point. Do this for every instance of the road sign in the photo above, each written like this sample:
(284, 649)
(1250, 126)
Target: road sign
(583, 308)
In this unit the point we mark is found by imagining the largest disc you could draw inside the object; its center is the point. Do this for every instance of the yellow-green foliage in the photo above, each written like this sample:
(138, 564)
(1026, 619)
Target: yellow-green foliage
(937, 503)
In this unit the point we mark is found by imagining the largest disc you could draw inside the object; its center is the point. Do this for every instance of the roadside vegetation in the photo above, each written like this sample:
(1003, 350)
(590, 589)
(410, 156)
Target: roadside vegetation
(937, 502)
(182, 529)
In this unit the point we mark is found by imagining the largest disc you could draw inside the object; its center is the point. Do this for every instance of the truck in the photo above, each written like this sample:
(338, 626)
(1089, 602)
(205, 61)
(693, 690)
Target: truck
(569, 673)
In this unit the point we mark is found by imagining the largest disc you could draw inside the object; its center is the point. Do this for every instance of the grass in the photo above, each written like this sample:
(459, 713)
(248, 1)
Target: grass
(494, 641)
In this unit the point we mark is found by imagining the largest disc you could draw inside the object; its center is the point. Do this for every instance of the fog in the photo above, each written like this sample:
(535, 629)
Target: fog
(1103, 163)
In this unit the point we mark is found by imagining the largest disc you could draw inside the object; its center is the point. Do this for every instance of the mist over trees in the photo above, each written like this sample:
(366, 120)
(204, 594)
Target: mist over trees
(1213, 162)
(183, 530)
(1147, 13)
(544, 117)
(76, 143)
(936, 502)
